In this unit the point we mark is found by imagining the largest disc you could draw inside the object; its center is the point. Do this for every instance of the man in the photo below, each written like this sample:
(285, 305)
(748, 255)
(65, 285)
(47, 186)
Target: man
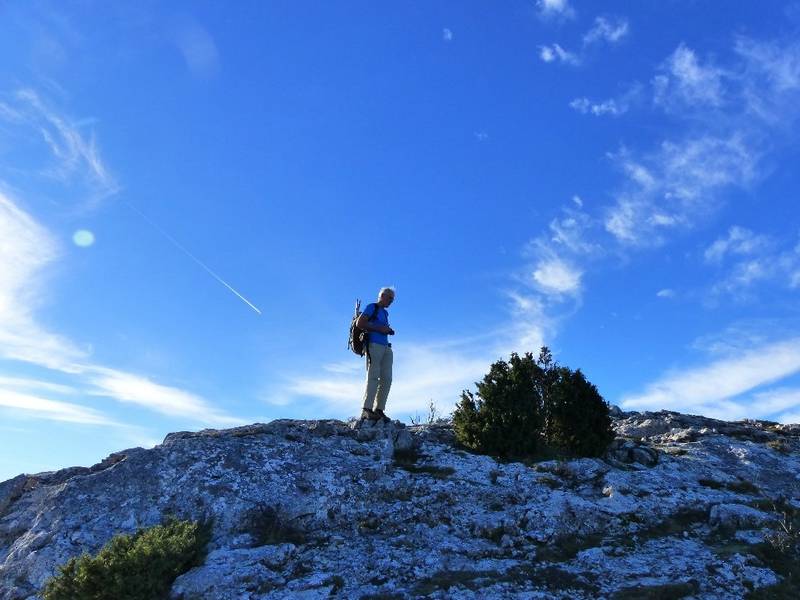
(375, 320)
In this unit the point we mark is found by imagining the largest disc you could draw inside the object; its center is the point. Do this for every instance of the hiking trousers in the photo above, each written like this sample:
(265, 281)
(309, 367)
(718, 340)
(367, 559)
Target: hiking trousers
(379, 376)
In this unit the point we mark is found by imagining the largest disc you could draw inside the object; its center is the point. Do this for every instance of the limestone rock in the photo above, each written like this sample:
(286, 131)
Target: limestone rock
(313, 509)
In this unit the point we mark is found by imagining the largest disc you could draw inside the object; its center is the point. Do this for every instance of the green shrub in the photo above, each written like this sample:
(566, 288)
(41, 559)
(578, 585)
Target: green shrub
(133, 567)
(577, 417)
(504, 418)
(523, 405)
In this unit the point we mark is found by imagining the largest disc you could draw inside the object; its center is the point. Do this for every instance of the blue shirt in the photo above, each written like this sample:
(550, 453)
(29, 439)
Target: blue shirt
(381, 319)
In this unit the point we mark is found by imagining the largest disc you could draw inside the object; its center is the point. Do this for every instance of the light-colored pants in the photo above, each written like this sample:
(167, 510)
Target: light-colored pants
(379, 376)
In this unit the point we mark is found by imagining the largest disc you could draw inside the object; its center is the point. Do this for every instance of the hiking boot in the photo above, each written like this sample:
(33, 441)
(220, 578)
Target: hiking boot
(379, 414)
(369, 415)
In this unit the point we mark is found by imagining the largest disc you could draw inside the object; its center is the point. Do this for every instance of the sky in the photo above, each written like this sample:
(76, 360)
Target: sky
(194, 194)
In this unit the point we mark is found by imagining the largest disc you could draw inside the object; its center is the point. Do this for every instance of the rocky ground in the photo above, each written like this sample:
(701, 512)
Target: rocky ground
(681, 507)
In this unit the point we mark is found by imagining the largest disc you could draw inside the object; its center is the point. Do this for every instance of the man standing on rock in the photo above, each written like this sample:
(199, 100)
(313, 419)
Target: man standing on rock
(375, 320)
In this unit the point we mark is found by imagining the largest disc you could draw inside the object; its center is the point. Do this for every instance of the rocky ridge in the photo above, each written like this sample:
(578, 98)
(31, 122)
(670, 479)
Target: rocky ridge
(317, 509)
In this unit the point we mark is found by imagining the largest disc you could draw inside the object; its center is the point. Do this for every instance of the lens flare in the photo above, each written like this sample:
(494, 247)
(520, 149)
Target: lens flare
(83, 238)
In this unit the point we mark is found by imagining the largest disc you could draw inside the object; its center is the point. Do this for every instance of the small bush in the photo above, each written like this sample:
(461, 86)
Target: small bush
(527, 405)
(577, 418)
(505, 417)
(133, 567)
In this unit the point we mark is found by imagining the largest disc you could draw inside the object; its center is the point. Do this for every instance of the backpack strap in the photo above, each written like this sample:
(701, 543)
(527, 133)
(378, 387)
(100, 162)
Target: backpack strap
(371, 318)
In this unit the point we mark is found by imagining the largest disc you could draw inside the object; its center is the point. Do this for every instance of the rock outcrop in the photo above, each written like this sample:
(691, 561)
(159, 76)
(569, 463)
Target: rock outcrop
(317, 509)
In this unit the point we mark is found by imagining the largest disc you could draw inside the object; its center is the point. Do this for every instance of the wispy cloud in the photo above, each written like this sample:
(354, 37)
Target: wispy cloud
(770, 80)
(740, 241)
(533, 325)
(198, 49)
(342, 367)
(614, 107)
(74, 155)
(447, 35)
(728, 112)
(26, 252)
(556, 276)
(750, 259)
(555, 9)
(721, 115)
(712, 389)
(684, 81)
(610, 30)
(782, 401)
(556, 53)
(550, 283)
(606, 107)
(605, 30)
(22, 404)
(20, 383)
(170, 401)
(27, 255)
(572, 232)
(676, 185)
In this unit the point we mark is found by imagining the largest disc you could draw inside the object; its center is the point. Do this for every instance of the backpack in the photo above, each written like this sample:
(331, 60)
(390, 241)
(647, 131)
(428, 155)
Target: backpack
(359, 338)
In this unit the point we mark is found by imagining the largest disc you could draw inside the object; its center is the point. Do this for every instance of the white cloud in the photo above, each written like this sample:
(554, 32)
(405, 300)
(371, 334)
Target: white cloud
(777, 400)
(677, 185)
(738, 338)
(531, 325)
(666, 293)
(9, 114)
(572, 232)
(20, 383)
(556, 53)
(26, 249)
(780, 63)
(75, 156)
(555, 9)
(685, 82)
(342, 367)
(714, 387)
(481, 136)
(613, 106)
(758, 262)
(607, 30)
(34, 406)
(447, 35)
(606, 107)
(770, 80)
(555, 276)
(170, 401)
(27, 252)
(789, 417)
(740, 241)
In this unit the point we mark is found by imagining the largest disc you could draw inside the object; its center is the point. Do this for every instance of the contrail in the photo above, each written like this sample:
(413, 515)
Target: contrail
(178, 245)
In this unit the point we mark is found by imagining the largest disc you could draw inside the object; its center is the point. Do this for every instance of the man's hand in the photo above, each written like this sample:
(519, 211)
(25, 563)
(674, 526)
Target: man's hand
(385, 329)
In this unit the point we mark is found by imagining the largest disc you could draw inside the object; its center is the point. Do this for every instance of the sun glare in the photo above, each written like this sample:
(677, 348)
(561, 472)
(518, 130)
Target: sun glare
(83, 238)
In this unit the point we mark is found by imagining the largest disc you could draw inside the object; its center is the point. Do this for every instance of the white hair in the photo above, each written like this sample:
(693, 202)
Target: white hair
(389, 288)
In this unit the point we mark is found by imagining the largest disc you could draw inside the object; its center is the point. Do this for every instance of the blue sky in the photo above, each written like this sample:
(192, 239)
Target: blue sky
(193, 195)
